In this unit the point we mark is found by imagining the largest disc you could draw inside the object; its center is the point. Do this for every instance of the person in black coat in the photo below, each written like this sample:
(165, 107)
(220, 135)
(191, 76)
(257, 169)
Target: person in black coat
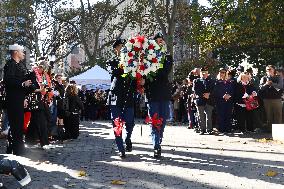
(73, 114)
(16, 83)
(83, 96)
(224, 94)
(40, 115)
(271, 89)
(121, 99)
(203, 88)
(158, 95)
(59, 91)
(244, 89)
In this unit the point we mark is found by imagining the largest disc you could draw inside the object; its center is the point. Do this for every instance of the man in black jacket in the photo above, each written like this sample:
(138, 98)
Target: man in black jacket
(158, 94)
(15, 83)
(121, 99)
(203, 88)
(271, 88)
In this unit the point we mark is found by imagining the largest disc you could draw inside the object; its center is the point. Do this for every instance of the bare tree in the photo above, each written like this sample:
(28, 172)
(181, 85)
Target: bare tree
(89, 22)
(165, 13)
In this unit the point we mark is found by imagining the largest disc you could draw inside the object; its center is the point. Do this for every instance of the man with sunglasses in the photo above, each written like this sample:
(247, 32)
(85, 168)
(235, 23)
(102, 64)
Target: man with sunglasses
(16, 85)
(271, 88)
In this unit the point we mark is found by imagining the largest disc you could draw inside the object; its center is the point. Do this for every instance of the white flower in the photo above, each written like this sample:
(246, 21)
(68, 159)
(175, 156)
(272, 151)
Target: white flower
(128, 46)
(133, 74)
(151, 51)
(137, 44)
(145, 45)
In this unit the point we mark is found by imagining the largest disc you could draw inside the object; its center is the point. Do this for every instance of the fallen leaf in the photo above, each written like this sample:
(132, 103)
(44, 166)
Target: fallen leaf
(118, 182)
(271, 173)
(245, 143)
(264, 140)
(71, 185)
(82, 174)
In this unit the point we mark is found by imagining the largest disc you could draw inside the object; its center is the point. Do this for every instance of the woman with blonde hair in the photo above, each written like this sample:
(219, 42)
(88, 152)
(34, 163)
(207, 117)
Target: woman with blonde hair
(223, 93)
(244, 89)
(72, 116)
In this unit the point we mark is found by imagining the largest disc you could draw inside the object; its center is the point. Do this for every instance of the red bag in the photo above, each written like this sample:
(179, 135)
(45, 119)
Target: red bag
(251, 103)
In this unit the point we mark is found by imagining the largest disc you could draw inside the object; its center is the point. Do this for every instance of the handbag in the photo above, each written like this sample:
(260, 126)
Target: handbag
(251, 102)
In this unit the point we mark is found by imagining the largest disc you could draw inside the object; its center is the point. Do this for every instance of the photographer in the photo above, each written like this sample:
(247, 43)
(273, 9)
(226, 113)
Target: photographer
(40, 95)
(271, 88)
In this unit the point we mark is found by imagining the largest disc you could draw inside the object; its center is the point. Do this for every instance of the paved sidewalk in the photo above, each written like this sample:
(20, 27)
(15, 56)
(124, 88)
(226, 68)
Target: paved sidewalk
(189, 161)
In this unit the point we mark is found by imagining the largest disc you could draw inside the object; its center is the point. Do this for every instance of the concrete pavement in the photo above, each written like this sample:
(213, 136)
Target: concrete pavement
(189, 161)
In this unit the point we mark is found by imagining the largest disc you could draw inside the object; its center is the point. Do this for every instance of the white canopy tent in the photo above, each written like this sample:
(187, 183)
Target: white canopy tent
(96, 77)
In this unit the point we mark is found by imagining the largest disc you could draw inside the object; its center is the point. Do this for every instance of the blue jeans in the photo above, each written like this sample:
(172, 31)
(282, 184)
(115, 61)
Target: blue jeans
(5, 120)
(171, 113)
(126, 115)
(162, 109)
(53, 112)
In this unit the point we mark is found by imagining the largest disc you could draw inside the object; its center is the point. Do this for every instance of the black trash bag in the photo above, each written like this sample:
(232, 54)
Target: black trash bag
(16, 169)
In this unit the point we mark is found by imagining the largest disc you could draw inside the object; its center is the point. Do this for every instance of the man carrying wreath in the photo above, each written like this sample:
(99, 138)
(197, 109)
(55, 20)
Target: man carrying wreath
(158, 95)
(121, 100)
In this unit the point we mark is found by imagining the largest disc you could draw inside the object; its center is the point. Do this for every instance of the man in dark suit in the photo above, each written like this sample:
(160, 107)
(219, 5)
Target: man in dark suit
(158, 95)
(203, 88)
(15, 83)
(121, 98)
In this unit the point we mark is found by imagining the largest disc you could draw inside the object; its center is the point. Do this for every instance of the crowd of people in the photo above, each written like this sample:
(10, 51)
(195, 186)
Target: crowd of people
(38, 107)
(224, 101)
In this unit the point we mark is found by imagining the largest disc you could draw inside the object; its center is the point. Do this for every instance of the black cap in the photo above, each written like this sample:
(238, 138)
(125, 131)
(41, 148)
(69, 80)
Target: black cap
(240, 68)
(118, 42)
(158, 35)
(204, 69)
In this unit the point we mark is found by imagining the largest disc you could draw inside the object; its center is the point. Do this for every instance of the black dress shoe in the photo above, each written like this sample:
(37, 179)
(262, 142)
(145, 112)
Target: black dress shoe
(157, 153)
(128, 148)
(122, 155)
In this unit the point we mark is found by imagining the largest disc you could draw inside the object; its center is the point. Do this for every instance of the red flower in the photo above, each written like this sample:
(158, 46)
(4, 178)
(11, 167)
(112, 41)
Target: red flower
(154, 60)
(132, 40)
(138, 75)
(151, 46)
(130, 54)
(142, 67)
(129, 61)
(136, 49)
(155, 121)
(140, 39)
(118, 126)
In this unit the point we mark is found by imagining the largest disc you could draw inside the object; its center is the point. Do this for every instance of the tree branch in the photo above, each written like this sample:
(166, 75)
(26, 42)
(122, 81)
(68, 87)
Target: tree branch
(159, 20)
